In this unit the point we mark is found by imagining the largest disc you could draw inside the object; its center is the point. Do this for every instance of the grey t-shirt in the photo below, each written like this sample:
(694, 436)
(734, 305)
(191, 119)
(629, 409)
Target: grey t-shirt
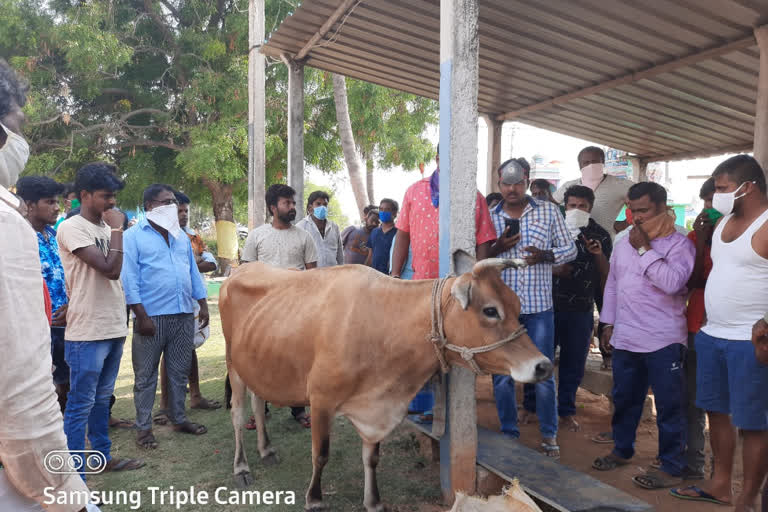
(284, 248)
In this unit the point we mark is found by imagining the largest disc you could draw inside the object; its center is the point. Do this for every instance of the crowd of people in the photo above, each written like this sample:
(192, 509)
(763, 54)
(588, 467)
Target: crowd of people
(683, 315)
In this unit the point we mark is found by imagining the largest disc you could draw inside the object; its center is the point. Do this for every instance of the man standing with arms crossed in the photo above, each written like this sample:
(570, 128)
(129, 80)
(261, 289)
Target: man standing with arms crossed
(732, 384)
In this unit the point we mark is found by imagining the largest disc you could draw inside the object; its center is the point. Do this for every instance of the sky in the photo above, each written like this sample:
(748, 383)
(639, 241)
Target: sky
(680, 178)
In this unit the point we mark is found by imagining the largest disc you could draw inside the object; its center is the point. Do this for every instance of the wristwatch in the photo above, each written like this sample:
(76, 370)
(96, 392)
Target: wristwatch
(642, 251)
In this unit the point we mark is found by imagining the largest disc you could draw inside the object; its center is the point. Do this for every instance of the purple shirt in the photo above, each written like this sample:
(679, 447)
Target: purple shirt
(645, 295)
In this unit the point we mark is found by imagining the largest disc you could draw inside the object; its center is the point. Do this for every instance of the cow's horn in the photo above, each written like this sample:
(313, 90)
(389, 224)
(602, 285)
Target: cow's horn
(498, 264)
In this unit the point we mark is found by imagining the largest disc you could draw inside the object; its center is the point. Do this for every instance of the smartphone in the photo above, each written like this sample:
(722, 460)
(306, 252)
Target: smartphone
(513, 225)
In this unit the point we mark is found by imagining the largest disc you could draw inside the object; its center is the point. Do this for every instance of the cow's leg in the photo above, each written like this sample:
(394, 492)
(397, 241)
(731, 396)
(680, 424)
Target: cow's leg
(242, 472)
(371, 500)
(321, 435)
(268, 454)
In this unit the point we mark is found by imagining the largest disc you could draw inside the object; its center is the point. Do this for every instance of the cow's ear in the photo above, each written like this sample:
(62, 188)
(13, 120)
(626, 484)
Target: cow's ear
(462, 291)
(462, 262)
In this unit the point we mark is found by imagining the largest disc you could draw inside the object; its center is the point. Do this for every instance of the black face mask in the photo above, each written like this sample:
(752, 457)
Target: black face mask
(288, 217)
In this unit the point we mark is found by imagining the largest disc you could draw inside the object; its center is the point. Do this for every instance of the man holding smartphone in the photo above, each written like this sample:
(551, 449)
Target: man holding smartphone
(535, 231)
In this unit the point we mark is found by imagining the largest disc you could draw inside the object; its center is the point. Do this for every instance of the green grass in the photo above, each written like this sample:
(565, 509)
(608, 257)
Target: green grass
(406, 479)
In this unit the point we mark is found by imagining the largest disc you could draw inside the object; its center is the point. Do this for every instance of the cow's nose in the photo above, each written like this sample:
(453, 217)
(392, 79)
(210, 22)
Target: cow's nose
(543, 370)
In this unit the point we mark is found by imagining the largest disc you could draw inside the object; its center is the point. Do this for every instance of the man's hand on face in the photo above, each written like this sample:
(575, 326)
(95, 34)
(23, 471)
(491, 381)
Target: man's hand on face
(538, 256)
(638, 238)
(59, 318)
(703, 228)
(113, 218)
(146, 326)
(594, 247)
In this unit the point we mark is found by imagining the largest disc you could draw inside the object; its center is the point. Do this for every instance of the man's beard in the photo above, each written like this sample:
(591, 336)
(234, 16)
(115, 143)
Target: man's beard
(287, 218)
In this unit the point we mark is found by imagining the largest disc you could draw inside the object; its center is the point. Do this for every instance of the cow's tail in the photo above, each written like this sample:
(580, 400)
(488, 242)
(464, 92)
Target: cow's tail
(228, 392)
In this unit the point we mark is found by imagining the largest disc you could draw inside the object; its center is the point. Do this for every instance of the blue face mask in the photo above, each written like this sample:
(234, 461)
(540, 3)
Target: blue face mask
(321, 212)
(385, 216)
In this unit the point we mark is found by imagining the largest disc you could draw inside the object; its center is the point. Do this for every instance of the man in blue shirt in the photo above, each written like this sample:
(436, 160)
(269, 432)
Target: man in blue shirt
(382, 237)
(41, 195)
(162, 283)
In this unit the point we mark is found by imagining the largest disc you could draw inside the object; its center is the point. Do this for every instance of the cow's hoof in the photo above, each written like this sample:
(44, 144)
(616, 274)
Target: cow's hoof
(243, 479)
(316, 506)
(270, 459)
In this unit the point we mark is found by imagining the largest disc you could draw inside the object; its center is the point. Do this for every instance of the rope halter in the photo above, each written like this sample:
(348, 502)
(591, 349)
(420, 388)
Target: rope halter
(440, 342)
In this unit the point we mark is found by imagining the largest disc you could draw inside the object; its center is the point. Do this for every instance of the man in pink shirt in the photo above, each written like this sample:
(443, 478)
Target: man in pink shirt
(418, 228)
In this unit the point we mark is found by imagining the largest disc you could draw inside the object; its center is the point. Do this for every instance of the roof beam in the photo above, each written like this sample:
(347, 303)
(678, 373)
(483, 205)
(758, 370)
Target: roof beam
(691, 59)
(703, 153)
(338, 13)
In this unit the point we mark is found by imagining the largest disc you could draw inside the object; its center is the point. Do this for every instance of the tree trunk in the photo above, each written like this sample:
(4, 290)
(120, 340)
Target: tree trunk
(223, 210)
(369, 179)
(351, 155)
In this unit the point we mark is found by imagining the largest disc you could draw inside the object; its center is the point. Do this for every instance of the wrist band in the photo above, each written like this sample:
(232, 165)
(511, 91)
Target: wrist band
(116, 250)
(117, 229)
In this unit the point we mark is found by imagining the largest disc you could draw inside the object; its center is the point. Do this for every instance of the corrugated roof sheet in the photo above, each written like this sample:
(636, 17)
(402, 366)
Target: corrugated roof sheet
(534, 52)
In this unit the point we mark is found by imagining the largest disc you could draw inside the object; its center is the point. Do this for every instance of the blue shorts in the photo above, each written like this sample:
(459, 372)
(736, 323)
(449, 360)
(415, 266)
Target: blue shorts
(731, 381)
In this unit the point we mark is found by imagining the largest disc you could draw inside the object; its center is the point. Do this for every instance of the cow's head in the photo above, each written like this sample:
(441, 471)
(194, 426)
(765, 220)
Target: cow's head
(485, 311)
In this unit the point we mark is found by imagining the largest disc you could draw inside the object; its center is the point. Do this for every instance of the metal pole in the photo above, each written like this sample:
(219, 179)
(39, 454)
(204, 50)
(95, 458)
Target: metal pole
(256, 101)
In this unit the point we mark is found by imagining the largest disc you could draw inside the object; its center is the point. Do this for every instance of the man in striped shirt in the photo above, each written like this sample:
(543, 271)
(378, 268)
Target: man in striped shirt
(535, 231)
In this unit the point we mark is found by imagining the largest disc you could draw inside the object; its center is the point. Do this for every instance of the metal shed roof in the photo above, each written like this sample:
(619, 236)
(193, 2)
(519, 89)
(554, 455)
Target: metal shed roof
(663, 79)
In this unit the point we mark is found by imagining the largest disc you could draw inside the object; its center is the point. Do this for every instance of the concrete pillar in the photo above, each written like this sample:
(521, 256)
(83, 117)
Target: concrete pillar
(296, 134)
(761, 111)
(256, 101)
(643, 174)
(459, 55)
(494, 153)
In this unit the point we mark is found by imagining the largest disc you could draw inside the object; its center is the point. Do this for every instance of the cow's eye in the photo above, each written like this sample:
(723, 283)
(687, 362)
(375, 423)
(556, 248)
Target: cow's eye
(491, 312)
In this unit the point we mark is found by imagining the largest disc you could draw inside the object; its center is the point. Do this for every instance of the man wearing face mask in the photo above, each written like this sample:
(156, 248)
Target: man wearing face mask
(283, 245)
(573, 288)
(610, 191)
(324, 232)
(382, 237)
(162, 284)
(32, 426)
(644, 313)
(732, 384)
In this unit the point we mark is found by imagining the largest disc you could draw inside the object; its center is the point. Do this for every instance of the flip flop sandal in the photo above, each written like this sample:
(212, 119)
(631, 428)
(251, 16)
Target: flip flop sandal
(251, 425)
(656, 464)
(146, 440)
(700, 495)
(548, 449)
(654, 479)
(161, 417)
(608, 463)
(304, 420)
(121, 423)
(206, 404)
(603, 438)
(190, 428)
(124, 464)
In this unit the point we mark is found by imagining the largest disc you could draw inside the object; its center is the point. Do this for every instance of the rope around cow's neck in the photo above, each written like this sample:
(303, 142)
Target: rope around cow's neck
(440, 342)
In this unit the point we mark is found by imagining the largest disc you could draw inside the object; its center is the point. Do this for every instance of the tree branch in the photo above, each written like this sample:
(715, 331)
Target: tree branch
(149, 143)
(47, 121)
(168, 5)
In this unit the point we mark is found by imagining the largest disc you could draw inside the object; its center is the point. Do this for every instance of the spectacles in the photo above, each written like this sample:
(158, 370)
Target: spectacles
(167, 202)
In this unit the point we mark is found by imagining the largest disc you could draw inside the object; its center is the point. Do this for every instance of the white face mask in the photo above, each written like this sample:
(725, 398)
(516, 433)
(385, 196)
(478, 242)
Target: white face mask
(725, 201)
(13, 157)
(575, 220)
(167, 217)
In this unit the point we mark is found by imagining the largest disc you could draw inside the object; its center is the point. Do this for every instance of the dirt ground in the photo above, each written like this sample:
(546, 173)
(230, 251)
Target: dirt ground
(578, 451)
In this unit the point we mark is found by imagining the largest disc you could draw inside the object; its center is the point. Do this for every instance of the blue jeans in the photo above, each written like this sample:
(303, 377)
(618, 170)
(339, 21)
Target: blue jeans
(541, 330)
(93, 367)
(573, 332)
(663, 370)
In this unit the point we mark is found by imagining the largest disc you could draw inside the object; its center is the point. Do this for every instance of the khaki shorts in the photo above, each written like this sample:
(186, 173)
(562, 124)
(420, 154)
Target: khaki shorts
(23, 463)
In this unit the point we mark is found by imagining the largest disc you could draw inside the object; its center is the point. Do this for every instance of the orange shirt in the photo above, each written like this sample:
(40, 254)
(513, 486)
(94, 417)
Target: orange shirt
(695, 312)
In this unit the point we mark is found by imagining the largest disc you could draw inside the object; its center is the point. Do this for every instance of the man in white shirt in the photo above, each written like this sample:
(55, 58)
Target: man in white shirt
(281, 244)
(610, 191)
(31, 426)
(323, 231)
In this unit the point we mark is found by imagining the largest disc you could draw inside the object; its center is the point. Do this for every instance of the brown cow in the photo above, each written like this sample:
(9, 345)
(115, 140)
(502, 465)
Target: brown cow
(351, 341)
